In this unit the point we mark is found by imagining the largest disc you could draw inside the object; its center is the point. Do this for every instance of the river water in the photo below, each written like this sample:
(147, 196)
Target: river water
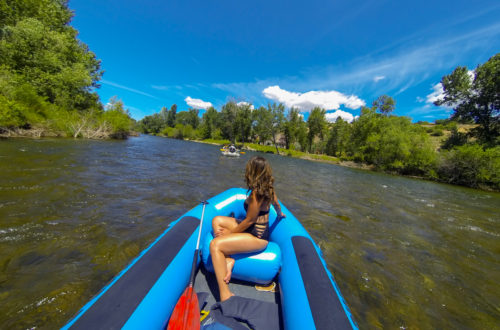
(405, 253)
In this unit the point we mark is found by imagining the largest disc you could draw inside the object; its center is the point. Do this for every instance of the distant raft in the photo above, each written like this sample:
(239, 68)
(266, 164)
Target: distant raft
(230, 151)
(230, 154)
(144, 294)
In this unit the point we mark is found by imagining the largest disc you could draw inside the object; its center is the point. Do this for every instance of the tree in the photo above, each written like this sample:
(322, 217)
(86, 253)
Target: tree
(118, 118)
(53, 62)
(385, 104)
(339, 137)
(243, 122)
(262, 119)
(171, 115)
(471, 165)
(210, 121)
(47, 76)
(476, 96)
(228, 118)
(291, 127)
(189, 117)
(277, 119)
(317, 124)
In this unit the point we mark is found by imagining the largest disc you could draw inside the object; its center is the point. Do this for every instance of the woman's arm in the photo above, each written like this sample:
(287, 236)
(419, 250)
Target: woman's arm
(277, 207)
(252, 214)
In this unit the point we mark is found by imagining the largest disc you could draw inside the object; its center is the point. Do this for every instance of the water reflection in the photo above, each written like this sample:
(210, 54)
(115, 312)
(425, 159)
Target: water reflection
(405, 253)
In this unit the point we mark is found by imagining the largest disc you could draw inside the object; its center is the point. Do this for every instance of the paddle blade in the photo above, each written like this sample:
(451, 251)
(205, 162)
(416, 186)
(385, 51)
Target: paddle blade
(186, 314)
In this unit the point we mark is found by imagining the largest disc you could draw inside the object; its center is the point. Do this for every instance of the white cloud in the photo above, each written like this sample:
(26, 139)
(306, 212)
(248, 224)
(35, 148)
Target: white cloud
(328, 100)
(332, 116)
(245, 103)
(436, 95)
(197, 103)
(438, 92)
(378, 78)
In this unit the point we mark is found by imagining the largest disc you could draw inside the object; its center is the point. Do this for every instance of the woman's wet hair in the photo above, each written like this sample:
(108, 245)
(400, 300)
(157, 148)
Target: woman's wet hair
(259, 178)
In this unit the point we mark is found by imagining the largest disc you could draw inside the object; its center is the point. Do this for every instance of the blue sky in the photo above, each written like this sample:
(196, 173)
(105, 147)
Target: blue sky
(335, 54)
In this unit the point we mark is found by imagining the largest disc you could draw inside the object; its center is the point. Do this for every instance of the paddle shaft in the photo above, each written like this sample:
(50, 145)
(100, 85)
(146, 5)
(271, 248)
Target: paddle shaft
(186, 313)
(195, 258)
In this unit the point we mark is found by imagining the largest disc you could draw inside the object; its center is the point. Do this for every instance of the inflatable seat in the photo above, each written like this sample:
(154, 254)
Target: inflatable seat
(258, 267)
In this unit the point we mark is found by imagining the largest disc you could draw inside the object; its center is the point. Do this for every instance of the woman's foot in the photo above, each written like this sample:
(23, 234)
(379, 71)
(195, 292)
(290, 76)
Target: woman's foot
(226, 297)
(229, 270)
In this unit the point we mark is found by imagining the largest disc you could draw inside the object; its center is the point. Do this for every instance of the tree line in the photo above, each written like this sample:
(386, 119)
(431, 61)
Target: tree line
(48, 77)
(378, 138)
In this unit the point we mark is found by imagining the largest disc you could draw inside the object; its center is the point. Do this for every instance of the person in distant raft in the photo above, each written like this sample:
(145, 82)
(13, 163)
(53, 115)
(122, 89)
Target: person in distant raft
(251, 234)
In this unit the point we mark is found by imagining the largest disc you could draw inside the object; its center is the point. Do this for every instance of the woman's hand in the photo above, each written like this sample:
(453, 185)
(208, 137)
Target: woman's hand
(221, 232)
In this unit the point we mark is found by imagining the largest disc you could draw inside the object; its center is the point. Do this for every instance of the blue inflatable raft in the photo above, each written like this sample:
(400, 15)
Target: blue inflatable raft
(144, 294)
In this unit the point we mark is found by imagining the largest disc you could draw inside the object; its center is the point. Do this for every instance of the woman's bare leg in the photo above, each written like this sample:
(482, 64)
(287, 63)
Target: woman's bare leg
(226, 245)
(222, 225)
(229, 269)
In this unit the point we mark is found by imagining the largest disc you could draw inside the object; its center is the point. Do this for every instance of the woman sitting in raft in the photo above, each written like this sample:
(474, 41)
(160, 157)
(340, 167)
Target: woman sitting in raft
(251, 234)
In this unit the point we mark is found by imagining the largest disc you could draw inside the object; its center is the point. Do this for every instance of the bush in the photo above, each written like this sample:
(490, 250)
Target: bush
(455, 139)
(119, 121)
(437, 132)
(11, 114)
(471, 165)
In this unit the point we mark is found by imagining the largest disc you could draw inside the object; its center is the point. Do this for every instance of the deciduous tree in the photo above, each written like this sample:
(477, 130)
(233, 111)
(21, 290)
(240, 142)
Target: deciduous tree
(476, 96)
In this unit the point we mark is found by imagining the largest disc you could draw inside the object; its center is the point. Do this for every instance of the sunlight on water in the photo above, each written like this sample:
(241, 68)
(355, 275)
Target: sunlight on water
(405, 253)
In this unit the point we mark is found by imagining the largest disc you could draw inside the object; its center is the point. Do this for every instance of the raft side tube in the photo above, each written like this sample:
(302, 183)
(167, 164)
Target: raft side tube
(113, 306)
(294, 294)
(327, 307)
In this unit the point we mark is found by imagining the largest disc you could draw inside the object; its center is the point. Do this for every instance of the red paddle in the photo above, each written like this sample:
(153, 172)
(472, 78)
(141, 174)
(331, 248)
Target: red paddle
(186, 314)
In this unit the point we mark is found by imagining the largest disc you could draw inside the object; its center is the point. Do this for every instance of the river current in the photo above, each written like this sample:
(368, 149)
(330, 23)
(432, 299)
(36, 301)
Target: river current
(405, 253)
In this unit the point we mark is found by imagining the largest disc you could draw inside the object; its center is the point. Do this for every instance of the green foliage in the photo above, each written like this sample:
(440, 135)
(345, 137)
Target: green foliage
(471, 165)
(262, 124)
(53, 62)
(119, 121)
(391, 143)
(317, 125)
(476, 98)
(385, 104)
(227, 119)
(455, 139)
(12, 114)
(53, 14)
(291, 127)
(243, 123)
(209, 126)
(436, 131)
(189, 117)
(338, 138)
(277, 120)
(171, 116)
(48, 77)
(20, 105)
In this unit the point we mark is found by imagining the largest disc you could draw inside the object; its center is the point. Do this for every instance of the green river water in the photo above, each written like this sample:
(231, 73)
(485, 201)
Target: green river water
(406, 254)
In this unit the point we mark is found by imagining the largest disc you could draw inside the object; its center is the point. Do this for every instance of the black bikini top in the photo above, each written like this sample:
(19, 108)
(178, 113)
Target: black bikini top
(261, 213)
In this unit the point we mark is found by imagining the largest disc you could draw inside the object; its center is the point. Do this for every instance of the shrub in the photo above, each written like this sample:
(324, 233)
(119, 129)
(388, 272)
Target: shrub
(437, 132)
(119, 121)
(471, 165)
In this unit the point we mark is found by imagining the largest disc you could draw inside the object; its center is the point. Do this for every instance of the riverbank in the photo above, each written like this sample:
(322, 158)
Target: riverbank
(337, 161)
(43, 132)
(28, 133)
(293, 153)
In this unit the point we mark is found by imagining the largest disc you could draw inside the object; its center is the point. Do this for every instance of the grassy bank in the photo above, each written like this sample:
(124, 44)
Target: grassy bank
(359, 165)
(291, 153)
